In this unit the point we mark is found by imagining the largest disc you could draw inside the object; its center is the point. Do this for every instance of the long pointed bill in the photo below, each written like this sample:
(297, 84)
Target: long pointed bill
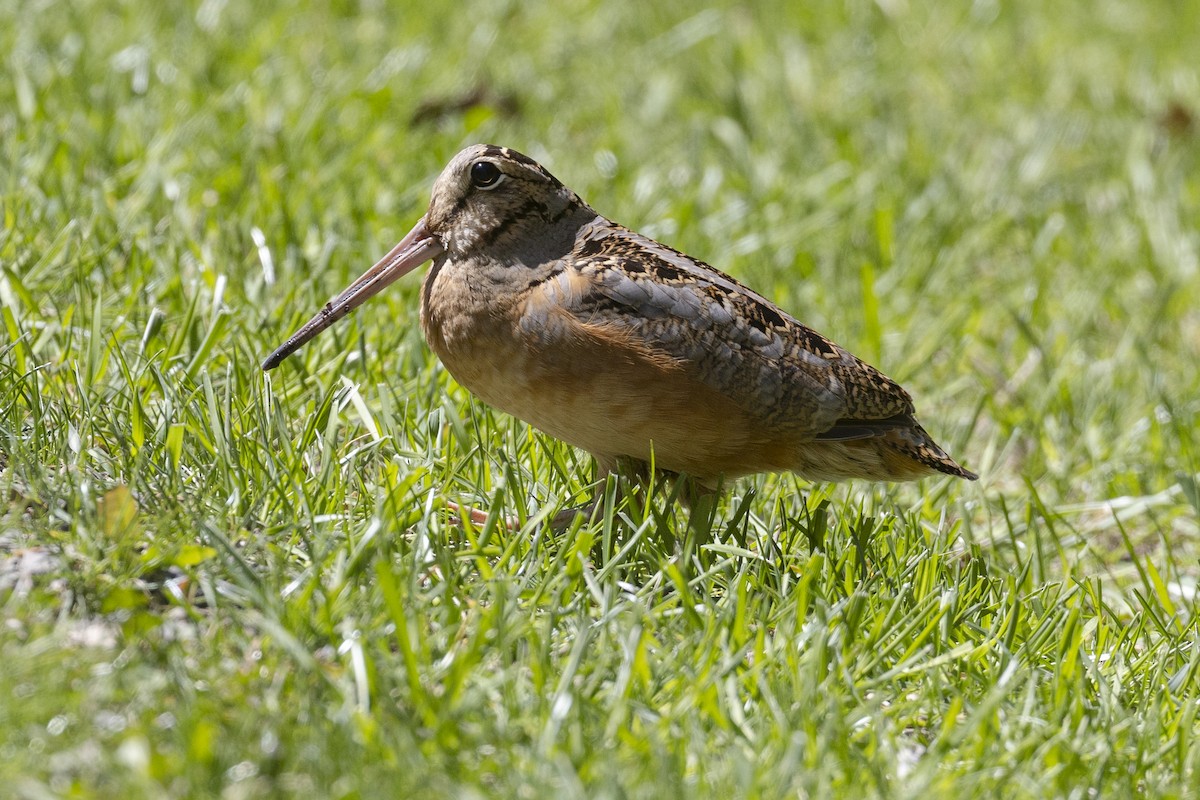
(414, 250)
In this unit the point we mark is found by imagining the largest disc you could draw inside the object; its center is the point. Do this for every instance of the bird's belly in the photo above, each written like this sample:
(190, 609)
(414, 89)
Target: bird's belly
(618, 408)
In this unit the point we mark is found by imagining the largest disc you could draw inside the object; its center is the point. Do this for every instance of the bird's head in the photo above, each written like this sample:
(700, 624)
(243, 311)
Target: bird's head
(492, 210)
(492, 201)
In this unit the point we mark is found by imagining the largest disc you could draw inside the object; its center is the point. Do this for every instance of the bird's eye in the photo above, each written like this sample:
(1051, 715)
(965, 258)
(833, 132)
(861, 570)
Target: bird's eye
(485, 175)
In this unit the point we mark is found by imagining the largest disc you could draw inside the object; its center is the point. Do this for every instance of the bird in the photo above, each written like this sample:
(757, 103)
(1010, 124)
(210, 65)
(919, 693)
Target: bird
(629, 349)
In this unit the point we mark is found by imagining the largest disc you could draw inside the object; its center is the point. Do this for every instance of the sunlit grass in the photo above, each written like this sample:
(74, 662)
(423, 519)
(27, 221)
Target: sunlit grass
(219, 582)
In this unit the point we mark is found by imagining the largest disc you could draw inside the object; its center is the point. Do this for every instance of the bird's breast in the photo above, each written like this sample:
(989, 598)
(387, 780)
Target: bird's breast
(473, 329)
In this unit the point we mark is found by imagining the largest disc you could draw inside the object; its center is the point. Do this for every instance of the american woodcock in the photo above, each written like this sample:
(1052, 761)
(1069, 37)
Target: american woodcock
(624, 347)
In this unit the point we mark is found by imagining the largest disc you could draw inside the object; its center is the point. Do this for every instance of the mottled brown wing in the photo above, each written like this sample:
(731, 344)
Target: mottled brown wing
(728, 337)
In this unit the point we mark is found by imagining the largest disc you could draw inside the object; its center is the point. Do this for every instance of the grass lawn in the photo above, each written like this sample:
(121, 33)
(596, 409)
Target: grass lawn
(215, 582)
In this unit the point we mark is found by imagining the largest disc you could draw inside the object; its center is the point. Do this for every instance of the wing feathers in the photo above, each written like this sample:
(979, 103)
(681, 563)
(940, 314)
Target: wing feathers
(725, 336)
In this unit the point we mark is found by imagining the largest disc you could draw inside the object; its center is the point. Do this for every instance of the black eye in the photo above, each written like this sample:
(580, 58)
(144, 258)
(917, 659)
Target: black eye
(485, 174)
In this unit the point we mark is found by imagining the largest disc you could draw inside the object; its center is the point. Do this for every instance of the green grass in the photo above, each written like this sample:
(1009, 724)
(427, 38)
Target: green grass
(219, 582)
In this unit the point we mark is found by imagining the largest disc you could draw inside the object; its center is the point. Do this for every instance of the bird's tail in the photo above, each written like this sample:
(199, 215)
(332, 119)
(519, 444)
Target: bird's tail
(914, 443)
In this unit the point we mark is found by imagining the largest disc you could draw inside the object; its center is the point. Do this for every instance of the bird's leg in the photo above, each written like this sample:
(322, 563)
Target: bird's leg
(625, 471)
(560, 521)
(477, 515)
(700, 499)
(701, 502)
(564, 518)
